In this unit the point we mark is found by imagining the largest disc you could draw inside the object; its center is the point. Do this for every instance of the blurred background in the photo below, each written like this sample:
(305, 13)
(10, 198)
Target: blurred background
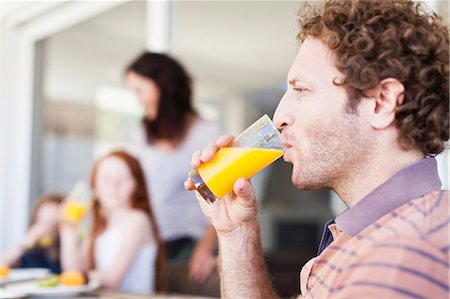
(64, 101)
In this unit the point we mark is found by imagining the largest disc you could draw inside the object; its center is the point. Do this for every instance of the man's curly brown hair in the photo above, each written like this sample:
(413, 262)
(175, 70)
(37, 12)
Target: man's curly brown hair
(377, 39)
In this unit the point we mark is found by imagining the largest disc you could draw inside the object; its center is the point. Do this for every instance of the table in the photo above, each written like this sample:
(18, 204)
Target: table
(21, 279)
(104, 294)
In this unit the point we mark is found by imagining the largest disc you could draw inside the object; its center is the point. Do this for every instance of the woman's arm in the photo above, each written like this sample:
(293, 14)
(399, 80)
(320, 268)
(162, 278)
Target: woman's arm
(209, 240)
(203, 260)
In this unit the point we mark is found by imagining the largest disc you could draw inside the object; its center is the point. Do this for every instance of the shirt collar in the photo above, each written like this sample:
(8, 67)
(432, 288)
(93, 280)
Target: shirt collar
(409, 183)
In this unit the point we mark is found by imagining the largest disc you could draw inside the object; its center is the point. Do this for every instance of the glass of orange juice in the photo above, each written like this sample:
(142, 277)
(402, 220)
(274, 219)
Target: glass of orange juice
(78, 202)
(254, 149)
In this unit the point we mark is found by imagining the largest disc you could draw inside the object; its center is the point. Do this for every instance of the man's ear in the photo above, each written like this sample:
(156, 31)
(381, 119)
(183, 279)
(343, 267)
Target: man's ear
(388, 95)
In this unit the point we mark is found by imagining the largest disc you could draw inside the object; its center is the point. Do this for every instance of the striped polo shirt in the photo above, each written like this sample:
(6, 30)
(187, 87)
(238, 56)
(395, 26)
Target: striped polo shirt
(394, 243)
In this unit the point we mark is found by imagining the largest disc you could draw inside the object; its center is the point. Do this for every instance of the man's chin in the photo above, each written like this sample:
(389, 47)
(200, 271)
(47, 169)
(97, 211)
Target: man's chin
(298, 182)
(304, 184)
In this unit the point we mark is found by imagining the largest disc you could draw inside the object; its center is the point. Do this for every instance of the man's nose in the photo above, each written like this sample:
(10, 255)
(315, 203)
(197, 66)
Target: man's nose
(281, 117)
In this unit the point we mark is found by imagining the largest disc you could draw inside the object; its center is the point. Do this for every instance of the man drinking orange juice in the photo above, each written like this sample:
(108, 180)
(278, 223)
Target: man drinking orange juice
(366, 109)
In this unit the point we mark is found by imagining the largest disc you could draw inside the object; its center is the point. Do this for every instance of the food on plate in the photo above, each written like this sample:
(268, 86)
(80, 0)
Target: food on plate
(72, 278)
(51, 281)
(68, 278)
(4, 271)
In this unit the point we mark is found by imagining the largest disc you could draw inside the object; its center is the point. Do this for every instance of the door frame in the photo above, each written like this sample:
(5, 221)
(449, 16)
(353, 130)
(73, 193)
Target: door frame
(20, 34)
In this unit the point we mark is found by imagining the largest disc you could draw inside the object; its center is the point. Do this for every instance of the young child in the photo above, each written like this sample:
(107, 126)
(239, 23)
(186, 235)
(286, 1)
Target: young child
(40, 246)
(123, 246)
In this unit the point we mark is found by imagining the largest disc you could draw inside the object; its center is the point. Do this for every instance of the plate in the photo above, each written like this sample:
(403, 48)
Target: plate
(31, 289)
(24, 274)
(5, 294)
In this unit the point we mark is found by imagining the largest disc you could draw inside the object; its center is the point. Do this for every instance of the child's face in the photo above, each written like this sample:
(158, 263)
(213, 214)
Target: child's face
(48, 215)
(114, 184)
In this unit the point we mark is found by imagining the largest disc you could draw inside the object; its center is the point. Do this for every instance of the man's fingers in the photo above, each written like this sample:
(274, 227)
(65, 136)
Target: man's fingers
(244, 193)
(195, 161)
(208, 153)
(243, 189)
(189, 185)
(224, 141)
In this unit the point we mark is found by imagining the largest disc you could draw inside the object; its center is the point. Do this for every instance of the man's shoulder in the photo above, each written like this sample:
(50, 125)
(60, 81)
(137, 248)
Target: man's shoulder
(421, 226)
(418, 228)
(403, 247)
(424, 218)
(408, 263)
(437, 197)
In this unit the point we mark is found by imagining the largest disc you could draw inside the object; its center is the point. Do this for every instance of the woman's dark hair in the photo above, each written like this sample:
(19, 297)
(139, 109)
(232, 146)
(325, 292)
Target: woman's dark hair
(175, 89)
(377, 39)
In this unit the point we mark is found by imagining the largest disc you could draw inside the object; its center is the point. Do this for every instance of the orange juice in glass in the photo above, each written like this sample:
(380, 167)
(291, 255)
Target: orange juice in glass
(78, 202)
(254, 149)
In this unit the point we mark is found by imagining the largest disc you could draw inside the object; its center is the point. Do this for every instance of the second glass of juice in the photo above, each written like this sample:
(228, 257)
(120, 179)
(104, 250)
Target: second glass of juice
(78, 202)
(255, 148)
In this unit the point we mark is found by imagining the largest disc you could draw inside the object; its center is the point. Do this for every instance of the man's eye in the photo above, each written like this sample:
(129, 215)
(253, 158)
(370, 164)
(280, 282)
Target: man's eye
(300, 90)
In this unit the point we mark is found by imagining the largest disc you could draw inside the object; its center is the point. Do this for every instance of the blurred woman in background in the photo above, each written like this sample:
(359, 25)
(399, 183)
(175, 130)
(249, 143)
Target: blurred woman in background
(40, 246)
(121, 251)
(172, 130)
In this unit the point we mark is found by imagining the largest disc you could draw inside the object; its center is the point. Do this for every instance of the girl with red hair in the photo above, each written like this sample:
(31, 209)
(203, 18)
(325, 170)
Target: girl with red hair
(122, 249)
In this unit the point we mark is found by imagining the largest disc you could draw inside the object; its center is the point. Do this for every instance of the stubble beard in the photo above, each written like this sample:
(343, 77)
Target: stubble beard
(336, 151)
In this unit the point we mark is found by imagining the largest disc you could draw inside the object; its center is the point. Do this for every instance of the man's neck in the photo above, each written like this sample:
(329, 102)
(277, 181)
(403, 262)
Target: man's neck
(371, 175)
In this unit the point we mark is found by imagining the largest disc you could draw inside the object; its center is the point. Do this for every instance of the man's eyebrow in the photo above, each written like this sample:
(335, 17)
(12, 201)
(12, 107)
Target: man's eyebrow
(294, 81)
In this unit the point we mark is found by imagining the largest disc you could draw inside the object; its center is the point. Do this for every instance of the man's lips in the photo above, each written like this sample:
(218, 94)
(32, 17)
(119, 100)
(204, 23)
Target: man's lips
(286, 153)
(285, 142)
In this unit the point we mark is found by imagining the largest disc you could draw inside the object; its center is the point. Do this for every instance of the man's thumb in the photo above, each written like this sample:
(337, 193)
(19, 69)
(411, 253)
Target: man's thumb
(243, 189)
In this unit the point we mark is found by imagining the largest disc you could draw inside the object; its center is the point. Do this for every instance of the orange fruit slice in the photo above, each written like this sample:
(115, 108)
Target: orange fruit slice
(72, 278)
(4, 272)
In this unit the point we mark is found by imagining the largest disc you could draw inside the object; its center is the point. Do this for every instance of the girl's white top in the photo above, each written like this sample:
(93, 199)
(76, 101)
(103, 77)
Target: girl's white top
(140, 277)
